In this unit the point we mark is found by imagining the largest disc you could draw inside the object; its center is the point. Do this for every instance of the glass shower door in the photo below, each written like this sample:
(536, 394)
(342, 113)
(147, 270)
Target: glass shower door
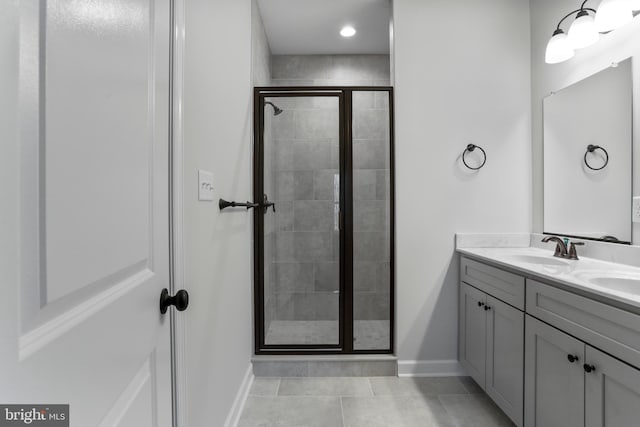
(300, 174)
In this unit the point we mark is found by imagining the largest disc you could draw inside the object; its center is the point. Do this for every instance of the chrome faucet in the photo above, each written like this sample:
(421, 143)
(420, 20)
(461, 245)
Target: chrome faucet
(561, 248)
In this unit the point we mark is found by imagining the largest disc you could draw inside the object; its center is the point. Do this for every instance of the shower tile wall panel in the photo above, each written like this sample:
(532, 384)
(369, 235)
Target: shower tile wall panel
(305, 270)
(330, 70)
(371, 194)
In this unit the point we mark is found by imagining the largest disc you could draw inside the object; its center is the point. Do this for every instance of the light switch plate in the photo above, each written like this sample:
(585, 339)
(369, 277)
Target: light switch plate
(635, 215)
(205, 186)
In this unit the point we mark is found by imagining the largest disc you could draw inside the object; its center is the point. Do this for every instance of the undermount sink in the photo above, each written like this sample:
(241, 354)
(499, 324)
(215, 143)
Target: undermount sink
(623, 282)
(538, 260)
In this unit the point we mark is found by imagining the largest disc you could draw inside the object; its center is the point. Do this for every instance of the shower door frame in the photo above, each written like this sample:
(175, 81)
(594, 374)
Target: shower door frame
(346, 296)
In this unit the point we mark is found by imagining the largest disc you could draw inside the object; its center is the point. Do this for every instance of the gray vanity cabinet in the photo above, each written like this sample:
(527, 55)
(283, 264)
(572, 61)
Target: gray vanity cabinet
(491, 336)
(473, 332)
(560, 360)
(612, 392)
(554, 394)
(561, 392)
(505, 358)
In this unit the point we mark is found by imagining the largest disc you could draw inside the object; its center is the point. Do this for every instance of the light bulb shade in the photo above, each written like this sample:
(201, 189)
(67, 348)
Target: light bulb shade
(559, 48)
(612, 14)
(582, 32)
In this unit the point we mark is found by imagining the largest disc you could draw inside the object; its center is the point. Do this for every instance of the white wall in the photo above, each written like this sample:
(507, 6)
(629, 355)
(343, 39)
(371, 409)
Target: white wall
(613, 47)
(461, 76)
(218, 251)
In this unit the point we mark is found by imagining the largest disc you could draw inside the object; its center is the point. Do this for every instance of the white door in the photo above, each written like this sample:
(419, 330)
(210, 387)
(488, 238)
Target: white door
(85, 225)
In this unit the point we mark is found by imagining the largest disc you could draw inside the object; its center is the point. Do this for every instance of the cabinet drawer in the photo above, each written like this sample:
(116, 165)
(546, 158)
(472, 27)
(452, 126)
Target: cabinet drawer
(505, 286)
(611, 329)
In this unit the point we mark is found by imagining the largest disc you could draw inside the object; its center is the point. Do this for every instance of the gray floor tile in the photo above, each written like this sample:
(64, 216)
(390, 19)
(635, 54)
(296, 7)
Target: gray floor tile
(474, 410)
(325, 387)
(264, 387)
(432, 386)
(394, 411)
(291, 411)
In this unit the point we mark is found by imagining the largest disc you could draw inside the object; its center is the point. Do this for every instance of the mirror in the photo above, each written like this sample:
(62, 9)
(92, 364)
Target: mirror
(588, 157)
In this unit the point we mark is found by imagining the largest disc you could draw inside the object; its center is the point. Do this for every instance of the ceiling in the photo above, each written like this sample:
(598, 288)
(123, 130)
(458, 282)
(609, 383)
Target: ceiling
(312, 27)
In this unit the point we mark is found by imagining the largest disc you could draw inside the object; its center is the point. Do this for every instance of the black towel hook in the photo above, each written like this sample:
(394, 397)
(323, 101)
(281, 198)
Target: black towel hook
(469, 149)
(590, 149)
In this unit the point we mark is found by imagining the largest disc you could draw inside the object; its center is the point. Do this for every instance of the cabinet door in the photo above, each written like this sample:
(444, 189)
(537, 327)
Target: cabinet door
(505, 358)
(473, 332)
(612, 390)
(554, 386)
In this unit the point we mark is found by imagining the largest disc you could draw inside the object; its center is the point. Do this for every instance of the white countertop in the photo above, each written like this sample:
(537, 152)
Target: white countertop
(610, 280)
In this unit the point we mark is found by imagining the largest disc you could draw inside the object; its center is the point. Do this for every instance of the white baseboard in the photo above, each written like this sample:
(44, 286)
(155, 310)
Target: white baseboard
(241, 398)
(430, 368)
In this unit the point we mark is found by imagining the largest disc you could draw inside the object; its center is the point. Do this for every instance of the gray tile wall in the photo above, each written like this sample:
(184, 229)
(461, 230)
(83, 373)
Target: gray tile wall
(304, 273)
(330, 70)
(306, 246)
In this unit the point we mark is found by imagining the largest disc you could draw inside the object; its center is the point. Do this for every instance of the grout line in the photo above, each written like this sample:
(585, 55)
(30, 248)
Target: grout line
(371, 386)
(342, 412)
(278, 388)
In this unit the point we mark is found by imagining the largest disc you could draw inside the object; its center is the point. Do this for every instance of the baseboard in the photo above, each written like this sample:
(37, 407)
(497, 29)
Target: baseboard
(430, 368)
(241, 398)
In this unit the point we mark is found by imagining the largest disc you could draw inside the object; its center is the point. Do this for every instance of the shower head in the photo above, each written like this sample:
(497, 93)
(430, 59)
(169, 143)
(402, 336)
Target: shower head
(276, 110)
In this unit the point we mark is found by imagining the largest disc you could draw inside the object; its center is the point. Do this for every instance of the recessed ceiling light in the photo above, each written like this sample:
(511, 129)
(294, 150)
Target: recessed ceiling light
(347, 31)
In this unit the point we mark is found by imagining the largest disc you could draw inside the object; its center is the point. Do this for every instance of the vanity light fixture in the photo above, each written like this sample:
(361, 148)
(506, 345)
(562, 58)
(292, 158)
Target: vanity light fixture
(582, 32)
(558, 49)
(347, 31)
(585, 29)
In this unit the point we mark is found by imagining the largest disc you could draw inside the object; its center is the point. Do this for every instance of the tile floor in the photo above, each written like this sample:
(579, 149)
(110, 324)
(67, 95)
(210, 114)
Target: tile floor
(370, 402)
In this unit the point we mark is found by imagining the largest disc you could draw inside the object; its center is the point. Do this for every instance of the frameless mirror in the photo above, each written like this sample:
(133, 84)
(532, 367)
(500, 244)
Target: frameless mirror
(588, 157)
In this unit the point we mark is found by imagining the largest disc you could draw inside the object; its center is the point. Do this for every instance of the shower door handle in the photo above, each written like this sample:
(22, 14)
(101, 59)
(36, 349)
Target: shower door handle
(266, 204)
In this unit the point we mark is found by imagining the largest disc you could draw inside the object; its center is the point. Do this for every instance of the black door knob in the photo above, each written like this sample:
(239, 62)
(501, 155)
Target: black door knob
(572, 358)
(589, 368)
(480, 303)
(180, 300)
(486, 307)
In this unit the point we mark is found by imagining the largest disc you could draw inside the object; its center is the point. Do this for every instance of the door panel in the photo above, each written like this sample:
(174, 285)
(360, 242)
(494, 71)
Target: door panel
(505, 358)
(371, 159)
(554, 387)
(612, 392)
(473, 332)
(301, 175)
(94, 235)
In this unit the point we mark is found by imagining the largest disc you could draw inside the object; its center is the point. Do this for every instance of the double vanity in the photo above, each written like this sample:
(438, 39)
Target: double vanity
(553, 341)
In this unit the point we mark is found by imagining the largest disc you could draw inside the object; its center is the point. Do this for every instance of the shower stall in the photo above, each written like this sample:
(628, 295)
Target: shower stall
(323, 264)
